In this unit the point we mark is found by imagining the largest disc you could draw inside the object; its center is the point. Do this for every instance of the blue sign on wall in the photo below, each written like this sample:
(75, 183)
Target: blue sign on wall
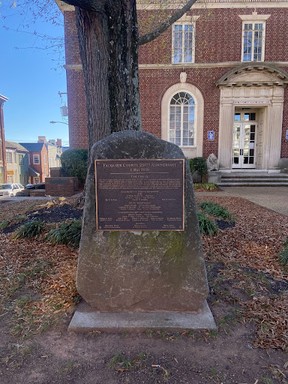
(211, 135)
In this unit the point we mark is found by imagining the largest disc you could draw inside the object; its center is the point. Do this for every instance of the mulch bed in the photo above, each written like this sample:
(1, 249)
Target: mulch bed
(242, 265)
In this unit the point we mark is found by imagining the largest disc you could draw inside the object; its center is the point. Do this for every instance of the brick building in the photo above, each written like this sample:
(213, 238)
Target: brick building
(38, 162)
(17, 163)
(215, 82)
(2, 142)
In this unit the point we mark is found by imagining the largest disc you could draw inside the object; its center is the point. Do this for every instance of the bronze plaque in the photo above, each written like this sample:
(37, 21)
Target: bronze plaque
(139, 195)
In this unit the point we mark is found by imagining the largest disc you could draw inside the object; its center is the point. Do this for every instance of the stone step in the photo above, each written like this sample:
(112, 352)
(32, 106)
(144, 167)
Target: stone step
(254, 179)
(255, 184)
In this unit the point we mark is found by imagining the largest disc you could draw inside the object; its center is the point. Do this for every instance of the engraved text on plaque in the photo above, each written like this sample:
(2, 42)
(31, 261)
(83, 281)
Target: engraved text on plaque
(140, 194)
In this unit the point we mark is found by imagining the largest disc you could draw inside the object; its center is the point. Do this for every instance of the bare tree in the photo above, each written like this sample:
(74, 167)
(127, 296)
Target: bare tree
(108, 39)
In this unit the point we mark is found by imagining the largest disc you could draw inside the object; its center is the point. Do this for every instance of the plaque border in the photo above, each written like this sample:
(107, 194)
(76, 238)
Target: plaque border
(140, 229)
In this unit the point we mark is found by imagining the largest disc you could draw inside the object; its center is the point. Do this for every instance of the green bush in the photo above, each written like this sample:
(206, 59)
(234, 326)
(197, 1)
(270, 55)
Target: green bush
(75, 163)
(206, 187)
(198, 165)
(66, 233)
(216, 210)
(206, 226)
(4, 224)
(30, 229)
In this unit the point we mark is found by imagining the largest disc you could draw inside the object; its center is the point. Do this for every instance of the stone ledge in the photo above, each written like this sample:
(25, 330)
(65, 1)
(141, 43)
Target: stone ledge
(85, 319)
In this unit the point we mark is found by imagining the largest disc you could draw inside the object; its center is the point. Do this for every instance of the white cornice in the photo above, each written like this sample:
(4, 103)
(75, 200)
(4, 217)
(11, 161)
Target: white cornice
(254, 17)
(78, 67)
(201, 65)
(200, 4)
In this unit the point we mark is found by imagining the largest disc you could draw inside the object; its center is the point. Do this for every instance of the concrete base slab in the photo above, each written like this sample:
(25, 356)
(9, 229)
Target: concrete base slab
(85, 319)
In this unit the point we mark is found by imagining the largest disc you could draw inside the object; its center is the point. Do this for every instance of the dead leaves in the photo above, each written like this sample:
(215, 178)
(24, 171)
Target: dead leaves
(37, 281)
(248, 254)
(270, 315)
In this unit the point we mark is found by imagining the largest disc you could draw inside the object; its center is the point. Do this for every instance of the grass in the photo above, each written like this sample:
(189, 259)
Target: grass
(206, 225)
(205, 187)
(4, 224)
(30, 229)
(121, 363)
(67, 233)
(216, 210)
(208, 214)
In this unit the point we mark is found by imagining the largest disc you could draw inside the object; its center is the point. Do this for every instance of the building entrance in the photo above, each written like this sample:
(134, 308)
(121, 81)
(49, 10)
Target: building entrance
(244, 139)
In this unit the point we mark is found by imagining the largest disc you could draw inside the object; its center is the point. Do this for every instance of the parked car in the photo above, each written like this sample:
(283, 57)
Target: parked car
(10, 189)
(35, 186)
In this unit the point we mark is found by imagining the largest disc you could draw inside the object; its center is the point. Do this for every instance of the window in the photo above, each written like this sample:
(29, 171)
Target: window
(21, 159)
(9, 157)
(253, 41)
(253, 36)
(181, 121)
(36, 159)
(183, 43)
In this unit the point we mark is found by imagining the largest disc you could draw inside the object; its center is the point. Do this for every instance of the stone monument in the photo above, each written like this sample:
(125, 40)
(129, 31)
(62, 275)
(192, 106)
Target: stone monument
(140, 260)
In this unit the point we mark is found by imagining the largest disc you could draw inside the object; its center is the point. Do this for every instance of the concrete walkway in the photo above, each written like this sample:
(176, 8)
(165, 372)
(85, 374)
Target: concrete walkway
(275, 198)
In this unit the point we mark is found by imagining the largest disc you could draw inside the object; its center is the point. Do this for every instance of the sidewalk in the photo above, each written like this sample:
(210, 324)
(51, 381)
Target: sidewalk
(275, 198)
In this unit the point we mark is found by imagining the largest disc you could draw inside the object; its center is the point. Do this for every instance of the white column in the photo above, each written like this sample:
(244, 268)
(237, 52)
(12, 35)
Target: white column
(226, 119)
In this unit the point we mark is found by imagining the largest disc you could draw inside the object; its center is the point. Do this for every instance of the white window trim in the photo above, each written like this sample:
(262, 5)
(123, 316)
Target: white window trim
(254, 19)
(34, 157)
(197, 148)
(191, 20)
(194, 125)
(10, 153)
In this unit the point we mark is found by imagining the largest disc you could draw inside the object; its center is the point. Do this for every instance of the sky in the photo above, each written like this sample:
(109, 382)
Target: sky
(31, 75)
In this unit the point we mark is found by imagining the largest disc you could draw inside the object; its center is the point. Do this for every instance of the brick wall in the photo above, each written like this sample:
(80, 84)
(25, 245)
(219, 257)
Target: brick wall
(153, 85)
(78, 135)
(284, 146)
(218, 40)
(61, 186)
(219, 36)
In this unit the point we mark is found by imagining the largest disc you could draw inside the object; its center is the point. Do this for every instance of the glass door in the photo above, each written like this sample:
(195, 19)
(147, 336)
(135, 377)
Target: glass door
(244, 140)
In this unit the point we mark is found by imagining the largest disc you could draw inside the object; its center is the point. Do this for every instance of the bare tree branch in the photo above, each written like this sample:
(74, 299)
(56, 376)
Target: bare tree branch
(166, 24)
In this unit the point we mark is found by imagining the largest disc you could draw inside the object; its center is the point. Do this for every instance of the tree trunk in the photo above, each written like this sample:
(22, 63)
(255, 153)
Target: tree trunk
(108, 41)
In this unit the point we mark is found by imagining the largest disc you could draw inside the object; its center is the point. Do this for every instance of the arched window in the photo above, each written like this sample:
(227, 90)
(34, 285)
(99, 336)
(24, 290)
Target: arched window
(182, 120)
(183, 103)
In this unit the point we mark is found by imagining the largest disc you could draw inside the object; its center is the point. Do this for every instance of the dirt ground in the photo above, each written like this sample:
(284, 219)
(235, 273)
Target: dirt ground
(248, 298)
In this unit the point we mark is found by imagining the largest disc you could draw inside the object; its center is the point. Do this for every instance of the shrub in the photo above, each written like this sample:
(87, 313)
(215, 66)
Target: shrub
(198, 165)
(4, 224)
(206, 226)
(66, 233)
(216, 210)
(30, 229)
(75, 163)
(206, 187)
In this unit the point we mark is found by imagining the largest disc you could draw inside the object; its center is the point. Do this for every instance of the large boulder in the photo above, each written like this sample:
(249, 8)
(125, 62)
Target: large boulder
(128, 270)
